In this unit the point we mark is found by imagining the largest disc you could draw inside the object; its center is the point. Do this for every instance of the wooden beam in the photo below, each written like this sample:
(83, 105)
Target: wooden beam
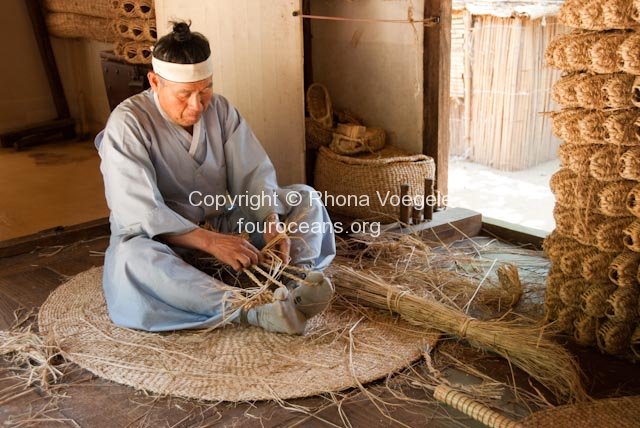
(437, 64)
(513, 233)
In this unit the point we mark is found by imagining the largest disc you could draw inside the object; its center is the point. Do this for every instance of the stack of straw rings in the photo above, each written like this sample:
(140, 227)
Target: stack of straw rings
(623, 271)
(632, 236)
(629, 164)
(610, 234)
(599, 14)
(614, 199)
(633, 200)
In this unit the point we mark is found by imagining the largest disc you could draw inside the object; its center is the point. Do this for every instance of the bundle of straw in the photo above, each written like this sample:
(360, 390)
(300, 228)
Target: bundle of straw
(525, 346)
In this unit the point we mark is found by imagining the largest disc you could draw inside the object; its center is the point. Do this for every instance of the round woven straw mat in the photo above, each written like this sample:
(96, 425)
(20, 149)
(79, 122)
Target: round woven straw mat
(234, 363)
(623, 412)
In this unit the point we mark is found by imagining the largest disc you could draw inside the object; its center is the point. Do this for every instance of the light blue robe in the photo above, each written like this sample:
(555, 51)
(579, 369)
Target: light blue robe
(150, 168)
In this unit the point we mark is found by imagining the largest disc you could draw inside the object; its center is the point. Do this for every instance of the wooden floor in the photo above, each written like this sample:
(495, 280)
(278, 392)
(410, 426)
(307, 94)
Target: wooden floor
(26, 281)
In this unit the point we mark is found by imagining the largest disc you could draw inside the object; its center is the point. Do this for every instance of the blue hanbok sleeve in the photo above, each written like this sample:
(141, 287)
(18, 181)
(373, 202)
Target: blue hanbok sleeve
(249, 169)
(131, 190)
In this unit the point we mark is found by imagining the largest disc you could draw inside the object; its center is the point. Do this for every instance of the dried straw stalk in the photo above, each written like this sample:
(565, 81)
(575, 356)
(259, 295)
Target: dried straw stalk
(528, 347)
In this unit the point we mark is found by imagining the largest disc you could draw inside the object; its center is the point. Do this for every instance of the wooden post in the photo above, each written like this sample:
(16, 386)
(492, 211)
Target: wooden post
(437, 64)
(428, 199)
(404, 207)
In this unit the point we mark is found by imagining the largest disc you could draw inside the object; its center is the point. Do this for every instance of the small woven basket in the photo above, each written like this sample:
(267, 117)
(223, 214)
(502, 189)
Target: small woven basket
(372, 140)
(623, 271)
(629, 52)
(598, 14)
(593, 301)
(319, 105)
(623, 305)
(629, 164)
(133, 52)
(565, 125)
(635, 97)
(632, 236)
(617, 89)
(610, 234)
(633, 199)
(371, 176)
(556, 244)
(585, 328)
(134, 8)
(614, 338)
(570, 291)
(603, 164)
(577, 157)
(620, 127)
(613, 199)
(585, 224)
(135, 29)
(563, 185)
(595, 266)
(604, 53)
(571, 260)
(564, 217)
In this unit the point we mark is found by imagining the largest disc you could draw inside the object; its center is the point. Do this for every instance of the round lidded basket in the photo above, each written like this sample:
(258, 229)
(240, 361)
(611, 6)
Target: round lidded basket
(367, 181)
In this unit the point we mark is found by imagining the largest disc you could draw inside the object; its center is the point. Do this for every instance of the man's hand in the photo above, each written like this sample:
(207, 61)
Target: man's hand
(283, 245)
(232, 250)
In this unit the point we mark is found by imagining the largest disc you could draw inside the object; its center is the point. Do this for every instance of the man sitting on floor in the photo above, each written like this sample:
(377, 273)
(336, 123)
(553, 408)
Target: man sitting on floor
(162, 147)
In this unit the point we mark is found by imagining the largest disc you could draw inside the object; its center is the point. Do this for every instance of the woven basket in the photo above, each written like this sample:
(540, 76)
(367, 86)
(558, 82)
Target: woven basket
(564, 217)
(567, 315)
(373, 176)
(632, 236)
(136, 29)
(585, 328)
(620, 127)
(74, 26)
(372, 140)
(633, 200)
(613, 200)
(565, 90)
(571, 290)
(603, 164)
(98, 8)
(317, 135)
(595, 266)
(134, 8)
(629, 165)
(610, 234)
(556, 244)
(593, 301)
(585, 224)
(577, 157)
(588, 192)
(614, 338)
(604, 53)
(629, 53)
(623, 271)
(635, 98)
(319, 105)
(133, 52)
(565, 124)
(623, 305)
(571, 260)
(598, 14)
(563, 185)
(591, 126)
(589, 93)
(617, 89)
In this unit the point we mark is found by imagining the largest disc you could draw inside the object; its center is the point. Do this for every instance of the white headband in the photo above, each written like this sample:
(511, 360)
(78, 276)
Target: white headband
(182, 73)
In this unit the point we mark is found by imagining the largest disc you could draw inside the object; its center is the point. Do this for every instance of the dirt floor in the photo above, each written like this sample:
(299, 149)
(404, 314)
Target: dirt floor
(55, 184)
(27, 280)
(520, 197)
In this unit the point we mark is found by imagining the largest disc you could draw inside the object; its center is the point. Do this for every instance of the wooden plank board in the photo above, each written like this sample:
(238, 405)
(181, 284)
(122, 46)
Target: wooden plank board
(31, 288)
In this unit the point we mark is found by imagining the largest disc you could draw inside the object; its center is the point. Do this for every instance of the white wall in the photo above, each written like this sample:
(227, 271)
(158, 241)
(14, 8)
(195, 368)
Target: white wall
(373, 69)
(258, 65)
